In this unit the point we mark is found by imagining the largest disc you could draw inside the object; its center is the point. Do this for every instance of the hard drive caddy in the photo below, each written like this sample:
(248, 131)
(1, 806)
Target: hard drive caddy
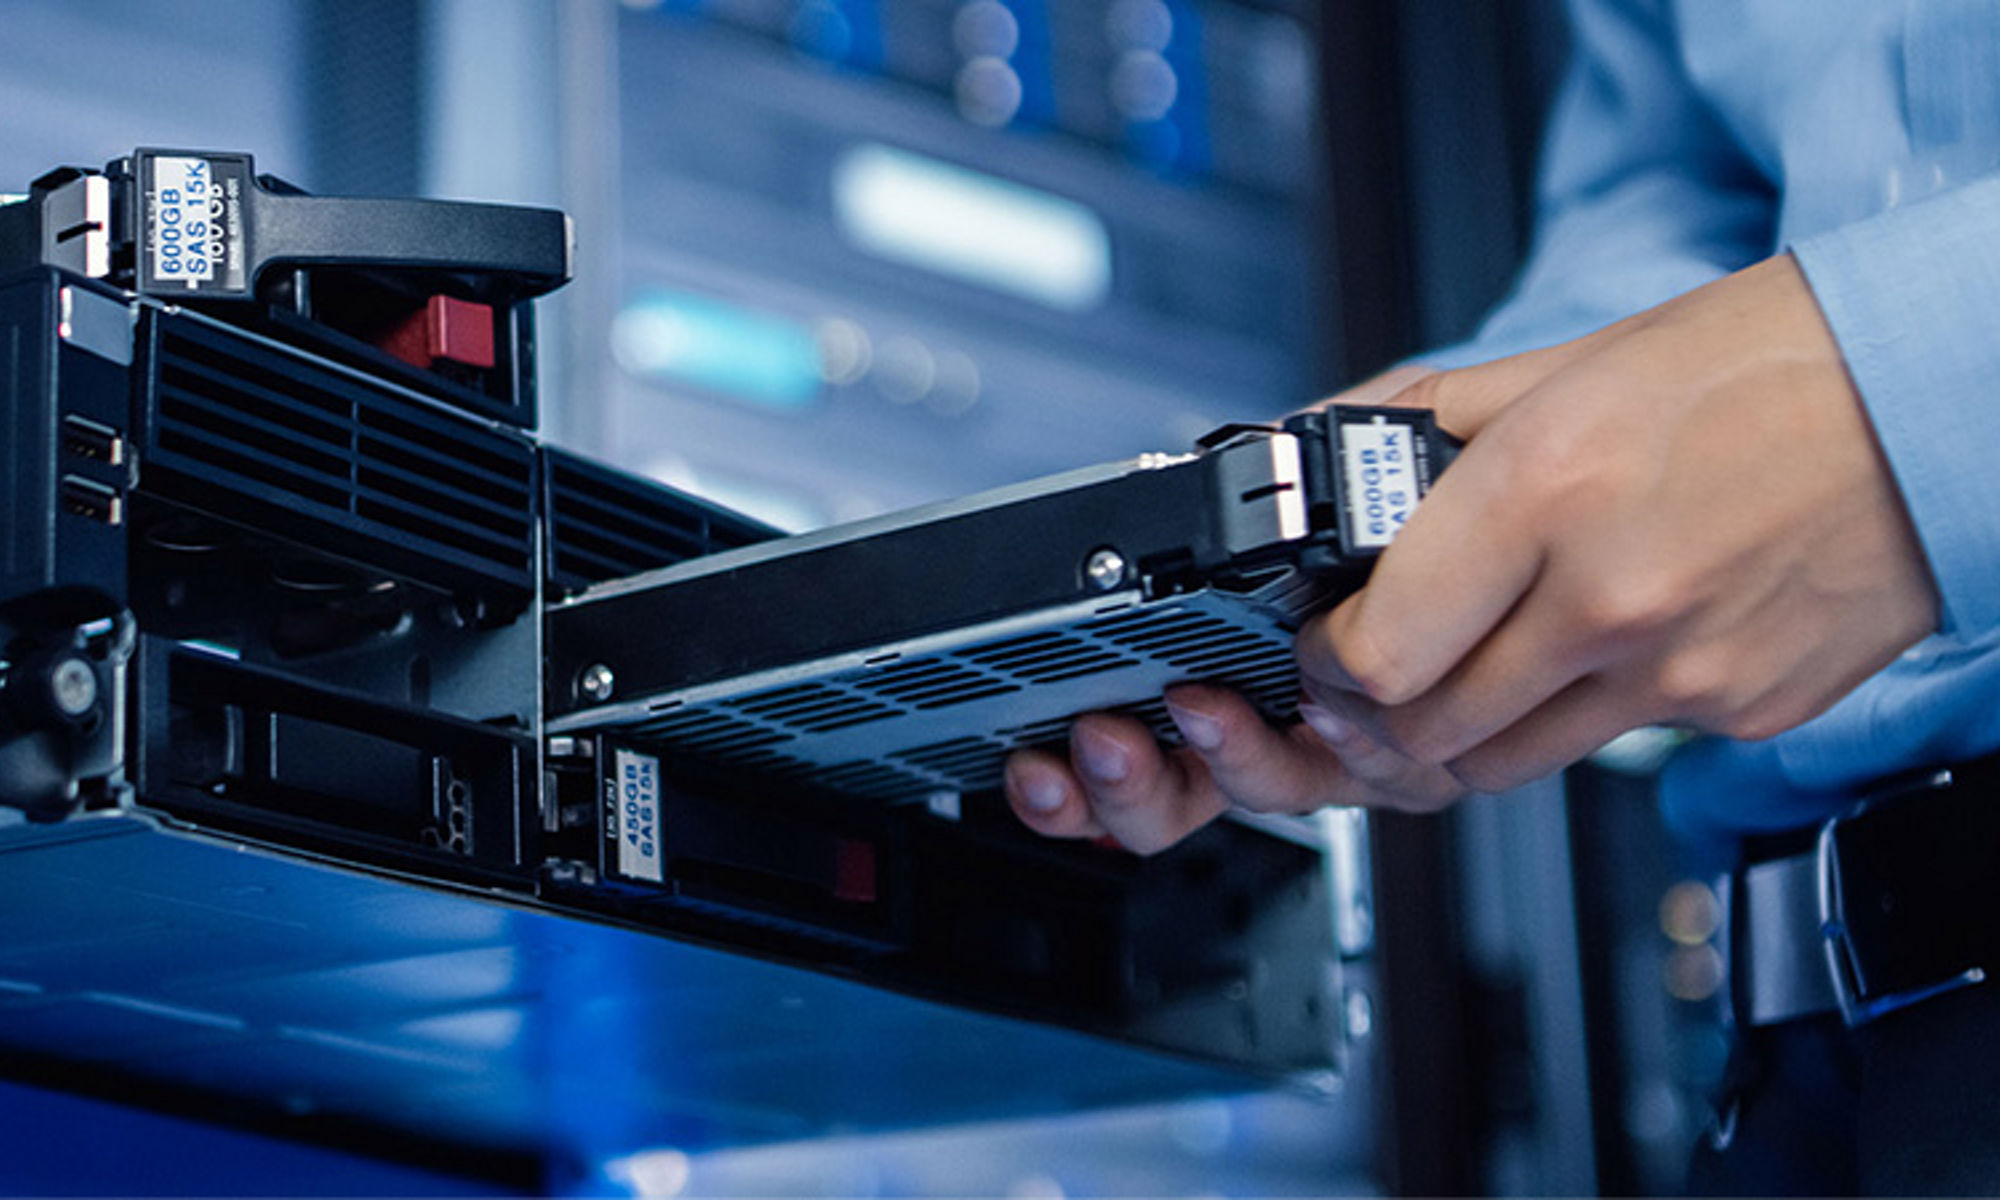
(902, 658)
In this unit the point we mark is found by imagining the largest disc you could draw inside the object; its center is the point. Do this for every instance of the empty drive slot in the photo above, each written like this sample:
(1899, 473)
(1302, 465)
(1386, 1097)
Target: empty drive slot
(355, 778)
(94, 440)
(88, 498)
(243, 743)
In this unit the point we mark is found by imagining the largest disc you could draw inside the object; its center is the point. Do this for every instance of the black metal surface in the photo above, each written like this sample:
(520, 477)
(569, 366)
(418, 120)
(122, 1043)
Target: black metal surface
(921, 579)
(1429, 1132)
(1219, 949)
(226, 745)
(264, 436)
(44, 542)
(604, 524)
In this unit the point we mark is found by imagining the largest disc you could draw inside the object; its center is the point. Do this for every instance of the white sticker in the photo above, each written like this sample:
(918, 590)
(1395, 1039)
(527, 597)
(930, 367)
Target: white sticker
(185, 204)
(635, 815)
(1380, 480)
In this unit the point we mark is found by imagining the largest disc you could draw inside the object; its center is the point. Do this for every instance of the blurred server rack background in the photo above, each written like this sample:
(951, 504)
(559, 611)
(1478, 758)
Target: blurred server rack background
(840, 256)
(872, 254)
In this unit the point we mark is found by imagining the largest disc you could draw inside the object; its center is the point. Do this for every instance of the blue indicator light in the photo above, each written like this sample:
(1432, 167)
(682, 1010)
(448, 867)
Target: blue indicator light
(765, 361)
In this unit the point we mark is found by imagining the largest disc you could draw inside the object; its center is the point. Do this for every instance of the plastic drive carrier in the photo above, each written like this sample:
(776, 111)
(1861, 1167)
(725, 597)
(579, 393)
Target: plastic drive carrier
(903, 658)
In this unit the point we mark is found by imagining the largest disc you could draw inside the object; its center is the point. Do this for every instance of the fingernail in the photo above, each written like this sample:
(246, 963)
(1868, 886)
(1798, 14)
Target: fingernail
(1043, 793)
(1334, 731)
(1202, 731)
(1099, 757)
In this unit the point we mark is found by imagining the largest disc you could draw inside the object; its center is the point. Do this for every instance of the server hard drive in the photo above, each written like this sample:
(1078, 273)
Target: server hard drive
(903, 658)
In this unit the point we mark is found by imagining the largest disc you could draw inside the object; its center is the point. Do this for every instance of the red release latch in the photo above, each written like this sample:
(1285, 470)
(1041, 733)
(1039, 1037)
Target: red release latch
(444, 330)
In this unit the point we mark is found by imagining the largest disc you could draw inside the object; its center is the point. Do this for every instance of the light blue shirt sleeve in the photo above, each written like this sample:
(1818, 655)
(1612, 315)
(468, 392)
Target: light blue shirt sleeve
(1913, 297)
(1642, 195)
(1646, 193)
(1694, 137)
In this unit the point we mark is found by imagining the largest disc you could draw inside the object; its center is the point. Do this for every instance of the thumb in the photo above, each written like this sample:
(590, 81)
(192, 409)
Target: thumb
(1465, 399)
(1384, 389)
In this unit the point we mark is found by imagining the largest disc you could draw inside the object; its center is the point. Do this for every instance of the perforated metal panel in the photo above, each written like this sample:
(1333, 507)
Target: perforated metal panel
(942, 713)
(260, 433)
(603, 524)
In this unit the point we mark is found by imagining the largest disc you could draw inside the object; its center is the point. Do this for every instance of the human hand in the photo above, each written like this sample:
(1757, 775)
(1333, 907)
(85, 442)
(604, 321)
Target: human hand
(1682, 518)
(1117, 781)
(1689, 523)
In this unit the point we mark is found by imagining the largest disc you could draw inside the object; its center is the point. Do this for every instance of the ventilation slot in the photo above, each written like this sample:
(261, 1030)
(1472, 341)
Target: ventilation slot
(607, 525)
(769, 760)
(1194, 642)
(1223, 656)
(1150, 633)
(813, 708)
(933, 683)
(1052, 731)
(895, 732)
(873, 779)
(970, 762)
(259, 434)
(1047, 658)
(1275, 688)
(712, 732)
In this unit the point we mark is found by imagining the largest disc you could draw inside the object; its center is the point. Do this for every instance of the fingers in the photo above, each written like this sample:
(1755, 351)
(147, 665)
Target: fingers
(1386, 388)
(1251, 764)
(1478, 544)
(1431, 601)
(1582, 718)
(1376, 774)
(1435, 593)
(1145, 797)
(1536, 652)
(1118, 781)
(1428, 602)
(1468, 398)
(1047, 797)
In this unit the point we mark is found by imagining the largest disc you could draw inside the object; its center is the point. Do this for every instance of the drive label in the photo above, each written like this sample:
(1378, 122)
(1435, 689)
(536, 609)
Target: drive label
(634, 819)
(1379, 480)
(194, 228)
(181, 223)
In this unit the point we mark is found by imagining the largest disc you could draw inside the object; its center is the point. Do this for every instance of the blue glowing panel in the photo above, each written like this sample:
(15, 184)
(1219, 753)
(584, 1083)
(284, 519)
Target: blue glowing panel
(337, 1006)
(66, 1145)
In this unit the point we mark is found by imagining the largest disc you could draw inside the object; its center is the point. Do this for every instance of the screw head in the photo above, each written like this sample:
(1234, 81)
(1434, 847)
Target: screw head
(1104, 569)
(596, 683)
(73, 686)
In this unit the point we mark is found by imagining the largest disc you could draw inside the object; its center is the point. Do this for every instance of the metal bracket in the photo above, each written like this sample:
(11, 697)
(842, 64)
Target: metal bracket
(1262, 485)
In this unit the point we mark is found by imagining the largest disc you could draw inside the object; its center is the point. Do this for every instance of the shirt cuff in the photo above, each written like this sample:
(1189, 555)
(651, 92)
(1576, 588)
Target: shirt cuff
(1913, 298)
